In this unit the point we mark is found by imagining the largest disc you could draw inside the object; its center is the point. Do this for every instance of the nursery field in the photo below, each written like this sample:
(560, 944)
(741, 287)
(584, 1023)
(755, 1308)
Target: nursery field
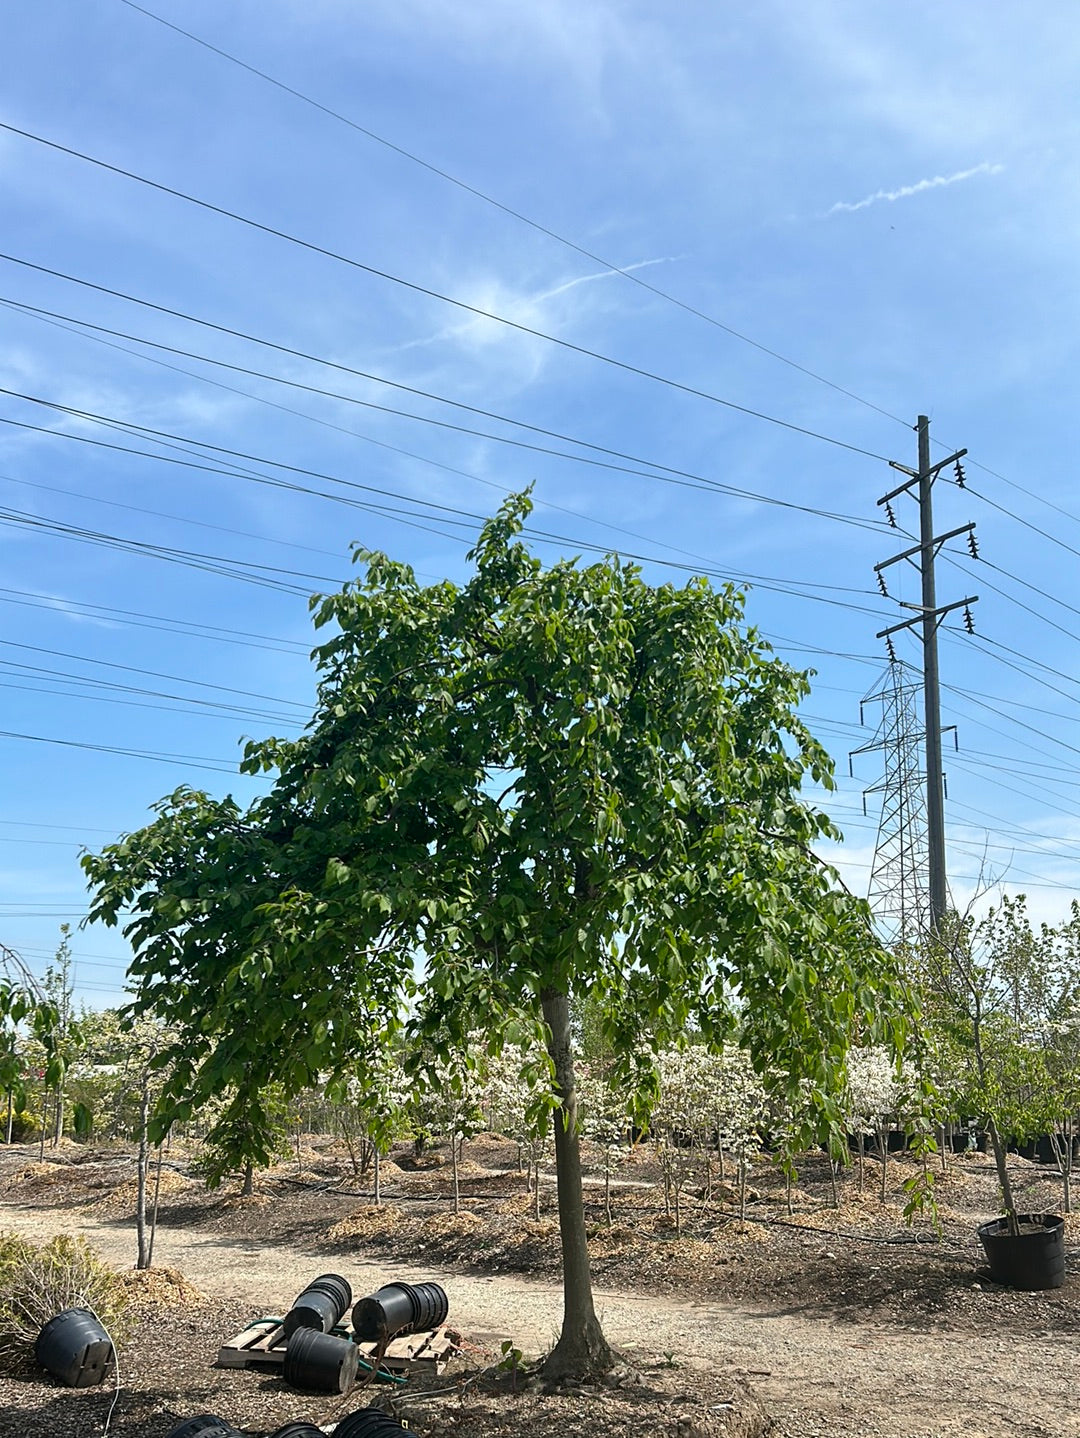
(825, 1321)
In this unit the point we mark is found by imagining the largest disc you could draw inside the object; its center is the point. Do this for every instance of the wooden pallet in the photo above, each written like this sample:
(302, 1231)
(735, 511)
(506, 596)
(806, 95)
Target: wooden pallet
(262, 1344)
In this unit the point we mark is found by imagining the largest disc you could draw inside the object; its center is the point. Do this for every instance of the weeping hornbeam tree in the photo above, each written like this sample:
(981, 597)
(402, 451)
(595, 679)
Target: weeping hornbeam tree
(541, 786)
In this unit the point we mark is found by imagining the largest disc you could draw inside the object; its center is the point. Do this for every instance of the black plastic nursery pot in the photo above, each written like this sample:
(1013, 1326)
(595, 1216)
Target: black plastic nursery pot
(371, 1423)
(75, 1348)
(399, 1308)
(391, 1309)
(1032, 1259)
(320, 1362)
(432, 1305)
(203, 1425)
(298, 1428)
(320, 1305)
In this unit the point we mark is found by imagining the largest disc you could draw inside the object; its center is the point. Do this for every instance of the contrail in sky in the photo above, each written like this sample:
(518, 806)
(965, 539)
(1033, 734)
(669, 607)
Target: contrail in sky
(920, 185)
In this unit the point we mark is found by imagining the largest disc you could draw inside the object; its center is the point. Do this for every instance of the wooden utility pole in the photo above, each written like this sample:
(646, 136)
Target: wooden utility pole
(930, 614)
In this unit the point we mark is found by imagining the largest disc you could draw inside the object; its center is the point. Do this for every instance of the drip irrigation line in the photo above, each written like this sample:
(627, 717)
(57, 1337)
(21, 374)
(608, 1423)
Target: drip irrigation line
(415, 288)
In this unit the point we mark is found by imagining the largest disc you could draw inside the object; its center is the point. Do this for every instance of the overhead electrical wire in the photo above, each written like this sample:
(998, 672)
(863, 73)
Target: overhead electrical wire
(163, 623)
(209, 564)
(624, 273)
(195, 761)
(642, 468)
(446, 514)
(76, 328)
(411, 285)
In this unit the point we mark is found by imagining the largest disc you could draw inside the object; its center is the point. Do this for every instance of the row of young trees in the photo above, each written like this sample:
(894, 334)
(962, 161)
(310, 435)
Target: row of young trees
(999, 1038)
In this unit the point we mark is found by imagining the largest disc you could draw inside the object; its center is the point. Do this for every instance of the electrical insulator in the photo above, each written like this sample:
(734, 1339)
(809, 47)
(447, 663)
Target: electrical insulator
(889, 514)
(889, 649)
(973, 547)
(969, 622)
(881, 584)
(959, 475)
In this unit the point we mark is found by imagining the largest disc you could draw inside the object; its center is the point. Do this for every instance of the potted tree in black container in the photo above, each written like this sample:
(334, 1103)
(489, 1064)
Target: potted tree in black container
(996, 994)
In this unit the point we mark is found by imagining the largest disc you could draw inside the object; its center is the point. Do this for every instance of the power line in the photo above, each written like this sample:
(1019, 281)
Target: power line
(194, 761)
(411, 285)
(165, 624)
(542, 229)
(652, 469)
(53, 682)
(445, 515)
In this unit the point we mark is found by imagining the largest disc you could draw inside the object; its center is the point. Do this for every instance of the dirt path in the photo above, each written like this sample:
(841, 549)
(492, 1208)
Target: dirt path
(817, 1375)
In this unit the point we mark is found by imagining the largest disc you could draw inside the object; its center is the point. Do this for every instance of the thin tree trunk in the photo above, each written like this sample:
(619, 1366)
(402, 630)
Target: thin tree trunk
(10, 1114)
(249, 1179)
(582, 1349)
(154, 1211)
(143, 1260)
(454, 1171)
(1001, 1160)
(378, 1179)
(58, 1118)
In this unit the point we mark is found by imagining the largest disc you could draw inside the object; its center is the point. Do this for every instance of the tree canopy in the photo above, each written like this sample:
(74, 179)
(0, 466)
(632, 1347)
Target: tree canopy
(536, 787)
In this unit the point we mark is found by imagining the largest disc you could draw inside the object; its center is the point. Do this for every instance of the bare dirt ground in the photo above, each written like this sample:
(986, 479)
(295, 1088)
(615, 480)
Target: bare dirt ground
(840, 1322)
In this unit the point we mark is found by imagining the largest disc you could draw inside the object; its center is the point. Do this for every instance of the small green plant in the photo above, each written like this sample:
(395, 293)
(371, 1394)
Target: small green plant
(670, 1361)
(512, 1360)
(38, 1282)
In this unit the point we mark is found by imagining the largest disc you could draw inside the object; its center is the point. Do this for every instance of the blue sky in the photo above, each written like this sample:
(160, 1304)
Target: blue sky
(885, 198)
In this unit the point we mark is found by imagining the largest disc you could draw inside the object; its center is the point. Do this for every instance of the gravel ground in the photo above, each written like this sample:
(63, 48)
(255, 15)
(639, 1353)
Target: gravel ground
(833, 1333)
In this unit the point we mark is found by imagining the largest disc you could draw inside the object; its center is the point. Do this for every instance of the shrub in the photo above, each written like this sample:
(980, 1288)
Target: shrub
(39, 1281)
(24, 1126)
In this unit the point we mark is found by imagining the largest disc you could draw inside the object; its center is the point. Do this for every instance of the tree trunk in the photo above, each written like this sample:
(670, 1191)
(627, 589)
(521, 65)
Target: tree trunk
(862, 1157)
(10, 1115)
(1001, 1160)
(455, 1172)
(249, 1179)
(582, 1349)
(378, 1179)
(154, 1210)
(58, 1118)
(143, 1259)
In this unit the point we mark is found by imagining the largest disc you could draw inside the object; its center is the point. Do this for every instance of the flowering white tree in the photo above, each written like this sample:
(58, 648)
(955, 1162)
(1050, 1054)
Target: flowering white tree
(604, 1116)
(873, 1094)
(736, 1105)
(706, 1095)
(515, 1097)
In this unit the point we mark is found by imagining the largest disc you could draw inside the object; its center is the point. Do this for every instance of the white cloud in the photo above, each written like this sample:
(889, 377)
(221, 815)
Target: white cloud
(905, 191)
(479, 332)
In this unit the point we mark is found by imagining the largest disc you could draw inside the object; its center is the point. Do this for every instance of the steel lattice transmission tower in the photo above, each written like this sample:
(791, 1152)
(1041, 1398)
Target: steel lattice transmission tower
(899, 894)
